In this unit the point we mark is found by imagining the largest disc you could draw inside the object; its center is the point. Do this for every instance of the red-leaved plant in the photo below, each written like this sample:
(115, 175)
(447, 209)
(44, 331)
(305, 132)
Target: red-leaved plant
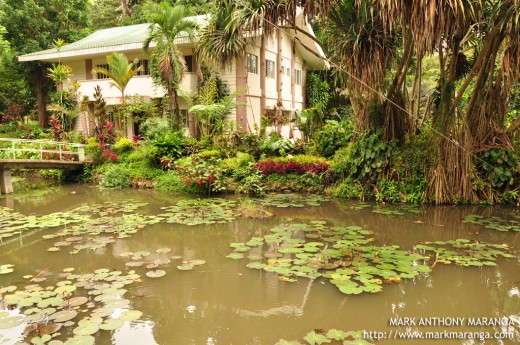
(269, 167)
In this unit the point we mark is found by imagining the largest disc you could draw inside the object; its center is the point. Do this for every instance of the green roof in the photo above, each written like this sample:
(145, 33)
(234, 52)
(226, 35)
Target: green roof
(127, 37)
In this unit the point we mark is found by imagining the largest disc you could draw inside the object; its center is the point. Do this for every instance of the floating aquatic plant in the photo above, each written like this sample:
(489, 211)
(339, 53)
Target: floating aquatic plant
(332, 336)
(291, 200)
(494, 223)
(7, 268)
(463, 252)
(347, 257)
(197, 212)
(46, 310)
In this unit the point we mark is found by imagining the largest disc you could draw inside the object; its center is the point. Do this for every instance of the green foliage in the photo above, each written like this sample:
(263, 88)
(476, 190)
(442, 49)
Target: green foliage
(310, 120)
(202, 176)
(153, 127)
(93, 151)
(251, 182)
(116, 176)
(334, 135)
(210, 112)
(365, 159)
(317, 90)
(167, 145)
(499, 167)
(120, 70)
(276, 145)
(415, 158)
(348, 189)
(170, 182)
(190, 146)
(53, 174)
(123, 145)
(166, 60)
(207, 154)
(230, 165)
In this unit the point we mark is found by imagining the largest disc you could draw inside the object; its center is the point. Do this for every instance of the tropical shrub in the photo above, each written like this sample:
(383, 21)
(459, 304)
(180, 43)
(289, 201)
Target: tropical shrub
(276, 145)
(251, 180)
(365, 159)
(115, 176)
(153, 127)
(53, 174)
(207, 154)
(297, 164)
(123, 145)
(170, 182)
(230, 165)
(348, 189)
(333, 136)
(190, 146)
(93, 150)
(498, 167)
(202, 177)
(166, 145)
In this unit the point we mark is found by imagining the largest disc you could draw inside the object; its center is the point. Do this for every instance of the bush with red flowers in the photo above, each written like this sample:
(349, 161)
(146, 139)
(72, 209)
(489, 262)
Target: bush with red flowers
(298, 165)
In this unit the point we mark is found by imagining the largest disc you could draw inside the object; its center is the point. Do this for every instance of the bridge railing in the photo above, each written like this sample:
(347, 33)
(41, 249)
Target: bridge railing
(11, 148)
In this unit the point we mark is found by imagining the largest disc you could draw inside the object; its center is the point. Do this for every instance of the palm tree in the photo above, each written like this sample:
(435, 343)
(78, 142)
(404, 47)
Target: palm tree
(168, 24)
(222, 40)
(120, 70)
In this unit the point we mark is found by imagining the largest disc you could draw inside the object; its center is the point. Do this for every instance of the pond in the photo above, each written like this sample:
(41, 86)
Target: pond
(141, 267)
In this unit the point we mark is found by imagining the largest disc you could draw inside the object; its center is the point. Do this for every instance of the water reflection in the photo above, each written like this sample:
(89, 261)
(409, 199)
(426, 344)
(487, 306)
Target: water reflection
(135, 333)
(223, 302)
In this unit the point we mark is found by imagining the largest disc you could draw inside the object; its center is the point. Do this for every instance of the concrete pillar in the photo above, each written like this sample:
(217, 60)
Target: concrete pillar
(6, 184)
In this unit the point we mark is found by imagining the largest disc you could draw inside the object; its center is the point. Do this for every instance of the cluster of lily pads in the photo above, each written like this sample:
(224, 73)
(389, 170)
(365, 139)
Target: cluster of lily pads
(291, 200)
(463, 252)
(14, 223)
(160, 258)
(203, 211)
(332, 336)
(346, 256)
(494, 223)
(84, 304)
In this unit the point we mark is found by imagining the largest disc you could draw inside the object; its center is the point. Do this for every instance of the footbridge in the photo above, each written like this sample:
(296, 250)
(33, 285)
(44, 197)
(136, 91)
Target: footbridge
(37, 154)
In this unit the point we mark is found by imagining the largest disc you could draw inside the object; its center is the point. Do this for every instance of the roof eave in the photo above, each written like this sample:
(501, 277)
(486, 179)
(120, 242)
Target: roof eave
(56, 56)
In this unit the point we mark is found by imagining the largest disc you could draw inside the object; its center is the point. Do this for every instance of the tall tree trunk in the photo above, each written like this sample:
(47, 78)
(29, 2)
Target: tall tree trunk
(176, 109)
(41, 96)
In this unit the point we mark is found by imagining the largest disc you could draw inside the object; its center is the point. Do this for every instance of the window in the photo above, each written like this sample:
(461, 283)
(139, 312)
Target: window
(146, 67)
(287, 71)
(269, 68)
(101, 75)
(298, 77)
(189, 63)
(252, 63)
(184, 117)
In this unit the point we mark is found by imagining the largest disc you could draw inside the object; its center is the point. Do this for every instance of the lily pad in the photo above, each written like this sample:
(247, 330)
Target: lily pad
(111, 324)
(185, 267)
(81, 340)
(7, 268)
(63, 316)
(314, 338)
(131, 315)
(155, 274)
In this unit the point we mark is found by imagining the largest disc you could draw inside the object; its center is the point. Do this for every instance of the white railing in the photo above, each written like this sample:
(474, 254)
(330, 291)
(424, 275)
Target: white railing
(11, 148)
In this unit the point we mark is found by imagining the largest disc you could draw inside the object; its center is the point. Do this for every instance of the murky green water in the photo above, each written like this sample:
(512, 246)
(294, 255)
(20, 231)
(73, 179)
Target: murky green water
(223, 302)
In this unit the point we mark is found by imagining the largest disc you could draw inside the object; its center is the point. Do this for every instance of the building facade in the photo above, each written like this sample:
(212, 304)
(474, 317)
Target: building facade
(271, 73)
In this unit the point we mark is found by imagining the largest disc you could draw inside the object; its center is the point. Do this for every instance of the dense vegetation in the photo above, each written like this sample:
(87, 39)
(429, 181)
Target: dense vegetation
(414, 109)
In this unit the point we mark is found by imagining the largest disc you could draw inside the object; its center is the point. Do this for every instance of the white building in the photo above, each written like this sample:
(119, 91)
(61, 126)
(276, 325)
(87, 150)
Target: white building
(270, 74)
